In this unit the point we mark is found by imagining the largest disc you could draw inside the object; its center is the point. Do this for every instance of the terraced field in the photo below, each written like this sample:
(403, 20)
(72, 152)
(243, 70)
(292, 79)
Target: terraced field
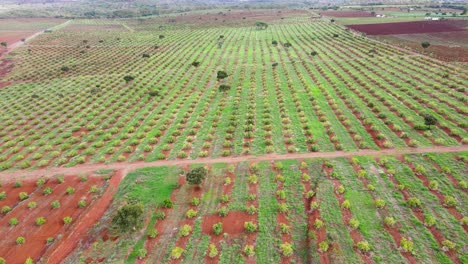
(321, 88)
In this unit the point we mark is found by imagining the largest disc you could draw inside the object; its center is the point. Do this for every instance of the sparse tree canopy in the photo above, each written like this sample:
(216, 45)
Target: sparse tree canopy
(261, 25)
(129, 78)
(425, 44)
(196, 176)
(128, 218)
(429, 120)
(221, 75)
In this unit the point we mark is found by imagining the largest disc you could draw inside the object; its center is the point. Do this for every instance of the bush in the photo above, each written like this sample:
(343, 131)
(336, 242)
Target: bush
(346, 204)
(70, 190)
(67, 220)
(6, 209)
(448, 245)
(379, 203)
(224, 87)
(82, 203)
(55, 204)
(223, 211)
(47, 191)
(167, 203)
(191, 213)
(389, 221)
(13, 221)
(251, 209)
(23, 196)
(3, 195)
(249, 250)
(196, 176)
(413, 202)
(177, 252)
(40, 182)
(212, 251)
(218, 228)
(406, 245)
(20, 240)
(318, 224)
(185, 230)
(32, 205)
(18, 184)
(323, 246)
(250, 227)
(363, 246)
(128, 218)
(40, 221)
(354, 223)
(429, 220)
(221, 75)
(286, 249)
(450, 201)
(141, 253)
(195, 201)
(128, 78)
(285, 229)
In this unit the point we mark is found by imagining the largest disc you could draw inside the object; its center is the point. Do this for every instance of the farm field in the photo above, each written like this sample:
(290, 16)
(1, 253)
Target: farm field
(356, 209)
(49, 214)
(241, 135)
(321, 88)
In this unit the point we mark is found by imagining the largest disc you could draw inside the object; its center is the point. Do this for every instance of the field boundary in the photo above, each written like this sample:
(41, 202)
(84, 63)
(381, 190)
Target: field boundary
(87, 168)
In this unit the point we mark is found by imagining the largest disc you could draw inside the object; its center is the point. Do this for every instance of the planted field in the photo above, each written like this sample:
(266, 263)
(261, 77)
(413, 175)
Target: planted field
(378, 209)
(51, 214)
(132, 90)
(346, 14)
(411, 27)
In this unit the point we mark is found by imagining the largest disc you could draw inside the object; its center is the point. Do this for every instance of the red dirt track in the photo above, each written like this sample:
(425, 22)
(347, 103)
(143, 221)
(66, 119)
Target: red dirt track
(410, 27)
(346, 14)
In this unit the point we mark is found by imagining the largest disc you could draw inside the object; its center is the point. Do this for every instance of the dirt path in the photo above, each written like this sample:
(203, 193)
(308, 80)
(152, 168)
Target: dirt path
(89, 168)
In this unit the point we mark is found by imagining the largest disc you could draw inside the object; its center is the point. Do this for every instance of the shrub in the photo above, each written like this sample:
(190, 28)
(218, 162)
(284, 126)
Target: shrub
(55, 204)
(218, 228)
(141, 253)
(318, 224)
(128, 218)
(70, 190)
(153, 233)
(212, 250)
(464, 221)
(413, 202)
(354, 223)
(286, 249)
(310, 194)
(167, 203)
(340, 189)
(40, 182)
(346, 204)
(250, 227)
(3, 195)
(462, 184)
(389, 221)
(283, 208)
(82, 203)
(379, 203)
(253, 179)
(363, 246)
(370, 187)
(185, 230)
(429, 220)
(6, 209)
(20, 240)
(23, 196)
(224, 87)
(191, 213)
(323, 246)
(285, 229)
(224, 198)
(128, 78)
(40, 221)
(67, 220)
(195, 201)
(196, 176)
(47, 191)
(249, 250)
(32, 205)
(13, 221)
(251, 209)
(406, 245)
(18, 184)
(450, 201)
(448, 245)
(221, 75)
(177, 252)
(223, 211)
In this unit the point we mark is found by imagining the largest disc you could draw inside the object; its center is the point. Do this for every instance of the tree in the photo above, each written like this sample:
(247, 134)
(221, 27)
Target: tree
(274, 42)
(65, 69)
(429, 120)
(196, 176)
(425, 44)
(129, 78)
(4, 44)
(128, 218)
(224, 87)
(221, 75)
(261, 25)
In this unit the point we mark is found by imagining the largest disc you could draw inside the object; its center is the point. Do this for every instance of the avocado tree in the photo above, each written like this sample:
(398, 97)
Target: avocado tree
(196, 176)
(128, 218)
(425, 44)
(429, 120)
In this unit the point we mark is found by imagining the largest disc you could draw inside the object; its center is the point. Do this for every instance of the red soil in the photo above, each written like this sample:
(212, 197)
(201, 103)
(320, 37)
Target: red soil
(72, 238)
(409, 27)
(14, 36)
(35, 246)
(346, 14)
(233, 223)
